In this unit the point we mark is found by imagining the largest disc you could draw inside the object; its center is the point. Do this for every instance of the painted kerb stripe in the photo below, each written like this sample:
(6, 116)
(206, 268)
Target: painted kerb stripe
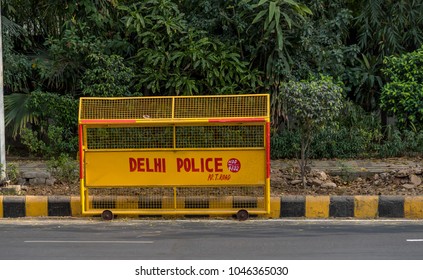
(317, 206)
(36, 206)
(366, 207)
(14, 206)
(59, 206)
(360, 207)
(292, 206)
(1, 206)
(391, 207)
(341, 206)
(275, 208)
(413, 207)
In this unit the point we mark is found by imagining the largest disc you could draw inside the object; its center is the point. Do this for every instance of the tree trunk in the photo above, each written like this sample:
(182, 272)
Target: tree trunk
(303, 162)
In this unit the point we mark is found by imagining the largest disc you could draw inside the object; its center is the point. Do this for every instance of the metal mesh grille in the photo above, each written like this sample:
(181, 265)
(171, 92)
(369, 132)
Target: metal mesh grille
(221, 107)
(135, 137)
(139, 137)
(125, 108)
(173, 198)
(219, 136)
(191, 107)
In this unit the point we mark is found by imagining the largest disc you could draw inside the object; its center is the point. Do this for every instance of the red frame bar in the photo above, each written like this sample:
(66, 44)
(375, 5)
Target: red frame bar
(237, 120)
(99, 121)
(268, 149)
(81, 152)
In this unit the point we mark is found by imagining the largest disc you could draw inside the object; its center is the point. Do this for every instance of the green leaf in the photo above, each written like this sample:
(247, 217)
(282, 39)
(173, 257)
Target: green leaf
(261, 2)
(259, 16)
(272, 7)
(279, 37)
(277, 15)
(288, 20)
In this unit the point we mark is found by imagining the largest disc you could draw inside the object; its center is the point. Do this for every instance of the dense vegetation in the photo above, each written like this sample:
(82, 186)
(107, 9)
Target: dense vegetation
(57, 51)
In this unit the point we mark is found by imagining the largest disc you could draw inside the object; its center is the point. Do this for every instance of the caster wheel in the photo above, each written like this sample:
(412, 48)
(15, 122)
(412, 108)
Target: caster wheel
(242, 215)
(107, 215)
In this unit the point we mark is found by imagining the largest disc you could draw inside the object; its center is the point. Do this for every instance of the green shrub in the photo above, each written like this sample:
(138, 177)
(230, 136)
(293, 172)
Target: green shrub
(64, 169)
(12, 173)
(403, 95)
(354, 134)
(285, 144)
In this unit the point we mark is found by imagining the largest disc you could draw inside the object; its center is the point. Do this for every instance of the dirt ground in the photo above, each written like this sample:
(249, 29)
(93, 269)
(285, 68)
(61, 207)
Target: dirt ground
(286, 181)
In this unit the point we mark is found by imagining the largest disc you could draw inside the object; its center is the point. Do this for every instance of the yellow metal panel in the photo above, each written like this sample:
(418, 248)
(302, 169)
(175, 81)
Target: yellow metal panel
(317, 206)
(1, 206)
(36, 206)
(413, 207)
(366, 207)
(76, 210)
(156, 168)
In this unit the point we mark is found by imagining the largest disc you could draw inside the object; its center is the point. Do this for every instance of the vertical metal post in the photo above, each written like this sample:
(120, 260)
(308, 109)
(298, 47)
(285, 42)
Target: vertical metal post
(2, 129)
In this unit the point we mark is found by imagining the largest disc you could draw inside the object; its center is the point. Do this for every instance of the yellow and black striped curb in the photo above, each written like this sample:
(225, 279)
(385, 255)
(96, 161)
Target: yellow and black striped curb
(359, 207)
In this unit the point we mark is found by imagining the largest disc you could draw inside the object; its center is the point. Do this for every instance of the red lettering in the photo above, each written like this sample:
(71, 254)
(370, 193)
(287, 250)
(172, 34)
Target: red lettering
(164, 165)
(157, 165)
(141, 164)
(147, 165)
(132, 164)
(147, 161)
(187, 165)
(218, 165)
(209, 165)
(208, 168)
(202, 165)
(193, 166)
(179, 164)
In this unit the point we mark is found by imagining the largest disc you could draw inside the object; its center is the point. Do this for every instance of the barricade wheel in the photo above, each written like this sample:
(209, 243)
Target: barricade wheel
(242, 215)
(107, 215)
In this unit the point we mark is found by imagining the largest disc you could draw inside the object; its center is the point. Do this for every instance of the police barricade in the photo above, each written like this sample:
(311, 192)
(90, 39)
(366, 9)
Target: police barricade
(190, 155)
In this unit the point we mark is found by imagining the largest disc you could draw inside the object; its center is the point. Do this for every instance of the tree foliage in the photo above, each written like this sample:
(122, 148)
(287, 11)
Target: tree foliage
(107, 76)
(313, 104)
(403, 94)
(179, 60)
(187, 47)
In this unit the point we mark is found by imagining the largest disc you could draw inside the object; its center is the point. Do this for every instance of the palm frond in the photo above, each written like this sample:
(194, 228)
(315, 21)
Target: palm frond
(17, 113)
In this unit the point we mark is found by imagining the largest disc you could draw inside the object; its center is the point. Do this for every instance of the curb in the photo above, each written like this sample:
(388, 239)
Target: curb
(311, 207)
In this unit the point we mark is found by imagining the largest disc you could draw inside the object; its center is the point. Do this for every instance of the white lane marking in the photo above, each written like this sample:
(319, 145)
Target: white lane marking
(89, 241)
(414, 240)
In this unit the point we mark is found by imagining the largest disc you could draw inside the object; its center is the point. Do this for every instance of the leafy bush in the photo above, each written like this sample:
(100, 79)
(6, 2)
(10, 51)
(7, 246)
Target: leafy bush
(46, 122)
(107, 77)
(64, 168)
(354, 134)
(403, 95)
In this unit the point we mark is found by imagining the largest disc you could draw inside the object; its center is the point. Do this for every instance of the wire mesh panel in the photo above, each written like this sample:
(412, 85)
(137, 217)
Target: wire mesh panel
(125, 108)
(175, 198)
(221, 106)
(173, 155)
(223, 136)
(177, 107)
(131, 137)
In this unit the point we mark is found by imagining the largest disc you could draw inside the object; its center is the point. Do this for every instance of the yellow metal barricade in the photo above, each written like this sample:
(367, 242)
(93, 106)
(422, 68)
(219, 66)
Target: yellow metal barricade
(200, 155)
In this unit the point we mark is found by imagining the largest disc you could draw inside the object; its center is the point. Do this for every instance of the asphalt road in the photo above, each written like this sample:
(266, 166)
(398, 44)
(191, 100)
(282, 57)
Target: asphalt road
(123, 239)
